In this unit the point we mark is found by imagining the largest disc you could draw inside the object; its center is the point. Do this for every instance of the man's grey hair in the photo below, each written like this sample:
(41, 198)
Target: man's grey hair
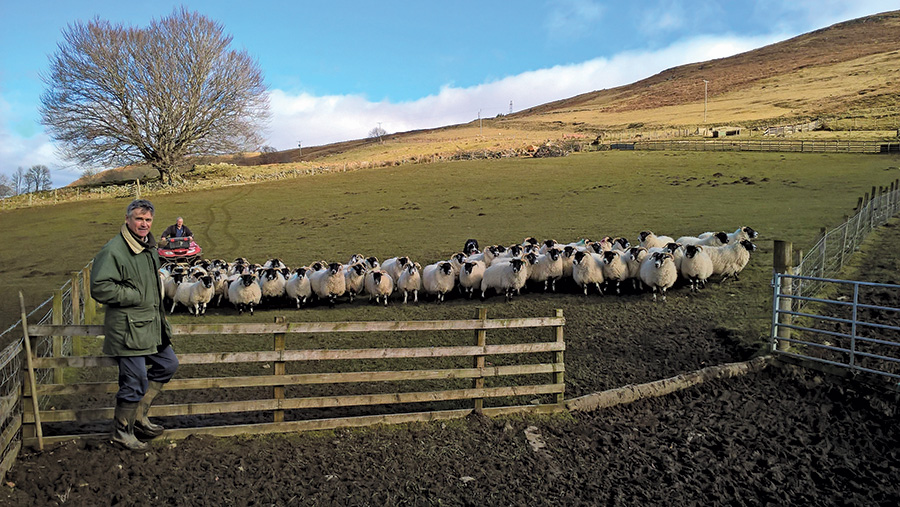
(141, 204)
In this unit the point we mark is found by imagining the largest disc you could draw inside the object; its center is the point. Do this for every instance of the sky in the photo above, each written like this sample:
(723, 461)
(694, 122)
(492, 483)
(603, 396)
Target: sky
(336, 70)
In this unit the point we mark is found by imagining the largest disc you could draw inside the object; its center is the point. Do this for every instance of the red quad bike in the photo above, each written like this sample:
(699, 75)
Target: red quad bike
(180, 250)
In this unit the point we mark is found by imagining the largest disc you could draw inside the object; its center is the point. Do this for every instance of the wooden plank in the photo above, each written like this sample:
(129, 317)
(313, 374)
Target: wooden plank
(316, 327)
(318, 355)
(10, 459)
(559, 358)
(480, 342)
(278, 370)
(12, 429)
(307, 379)
(64, 330)
(8, 405)
(102, 414)
(321, 424)
(634, 392)
(56, 317)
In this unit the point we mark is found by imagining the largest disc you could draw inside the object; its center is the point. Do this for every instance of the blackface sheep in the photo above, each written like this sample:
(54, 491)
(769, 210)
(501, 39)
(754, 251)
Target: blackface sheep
(297, 286)
(615, 268)
(470, 276)
(410, 281)
(547, 269)
(355, 279)
(507, 278)
(244, 292)
(379, 285)
(194, 295)
(394, 266)
(587, 270)
(729, 260)
(649, 240)
(696, 266)
(438, 279)
(329, 283)
(714, 239)
(741, 233)
(271, 283)
(658, 272)
(635, 256)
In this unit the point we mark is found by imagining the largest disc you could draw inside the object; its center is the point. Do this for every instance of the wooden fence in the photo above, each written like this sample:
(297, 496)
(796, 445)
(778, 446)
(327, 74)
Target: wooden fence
(544, 358)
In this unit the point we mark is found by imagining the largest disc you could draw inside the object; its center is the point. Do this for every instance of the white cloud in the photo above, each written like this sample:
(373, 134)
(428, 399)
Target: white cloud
(322, 120)
(572, 18)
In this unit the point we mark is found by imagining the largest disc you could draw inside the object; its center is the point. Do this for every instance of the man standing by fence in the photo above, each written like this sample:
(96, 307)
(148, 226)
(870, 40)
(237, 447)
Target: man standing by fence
(125, 278)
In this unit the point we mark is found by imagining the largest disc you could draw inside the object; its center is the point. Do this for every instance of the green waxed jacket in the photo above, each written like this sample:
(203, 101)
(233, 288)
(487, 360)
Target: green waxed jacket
(125, 278)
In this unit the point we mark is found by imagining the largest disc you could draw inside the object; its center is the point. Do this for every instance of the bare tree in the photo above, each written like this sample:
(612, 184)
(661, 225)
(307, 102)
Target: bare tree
(377, 133)
(118, 95)
(6, 188)
(18, 181)
(37, 178)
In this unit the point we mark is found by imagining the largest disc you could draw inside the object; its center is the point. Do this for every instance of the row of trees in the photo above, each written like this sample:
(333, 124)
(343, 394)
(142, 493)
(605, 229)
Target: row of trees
(22, 181)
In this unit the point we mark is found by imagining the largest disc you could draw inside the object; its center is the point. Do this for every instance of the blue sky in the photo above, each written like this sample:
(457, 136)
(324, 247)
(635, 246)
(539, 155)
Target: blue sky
(335, 70)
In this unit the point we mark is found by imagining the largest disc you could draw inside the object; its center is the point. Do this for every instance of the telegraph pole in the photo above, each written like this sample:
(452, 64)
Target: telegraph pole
(705, 98)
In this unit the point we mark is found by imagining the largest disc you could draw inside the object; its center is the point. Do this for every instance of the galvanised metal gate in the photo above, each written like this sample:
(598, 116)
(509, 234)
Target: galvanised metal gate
(852, 325)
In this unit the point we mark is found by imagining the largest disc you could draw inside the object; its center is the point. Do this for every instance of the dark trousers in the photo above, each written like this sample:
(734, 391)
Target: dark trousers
(134, 374)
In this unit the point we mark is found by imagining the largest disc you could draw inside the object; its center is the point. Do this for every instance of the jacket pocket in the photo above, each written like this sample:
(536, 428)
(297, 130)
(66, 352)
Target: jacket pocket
(143, 329)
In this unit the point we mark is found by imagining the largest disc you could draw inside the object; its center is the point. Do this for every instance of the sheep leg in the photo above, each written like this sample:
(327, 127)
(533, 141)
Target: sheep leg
(173, 308)
(251, 308)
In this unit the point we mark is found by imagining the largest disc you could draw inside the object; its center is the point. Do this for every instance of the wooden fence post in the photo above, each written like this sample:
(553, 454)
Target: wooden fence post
(823, 247)
(31, 379)
(559, 359)
(56, 317)
(89, 306)
(278, 391)
(481, 341)
(783, 264)
(75, 295)
(844, 239)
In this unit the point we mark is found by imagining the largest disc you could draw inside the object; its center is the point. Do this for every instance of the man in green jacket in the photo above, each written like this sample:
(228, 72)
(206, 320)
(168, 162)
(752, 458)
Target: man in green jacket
(125, 278)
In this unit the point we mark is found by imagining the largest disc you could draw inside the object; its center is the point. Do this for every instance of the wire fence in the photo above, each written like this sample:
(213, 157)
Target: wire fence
(828, 255)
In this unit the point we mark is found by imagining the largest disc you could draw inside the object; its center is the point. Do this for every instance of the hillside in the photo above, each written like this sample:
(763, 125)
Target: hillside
(847, 75)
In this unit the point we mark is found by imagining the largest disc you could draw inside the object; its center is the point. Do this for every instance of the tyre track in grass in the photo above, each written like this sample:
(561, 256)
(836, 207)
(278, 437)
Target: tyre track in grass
(218, 225)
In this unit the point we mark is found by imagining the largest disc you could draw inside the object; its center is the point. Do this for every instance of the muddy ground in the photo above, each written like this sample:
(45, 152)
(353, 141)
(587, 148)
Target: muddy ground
(782, 436)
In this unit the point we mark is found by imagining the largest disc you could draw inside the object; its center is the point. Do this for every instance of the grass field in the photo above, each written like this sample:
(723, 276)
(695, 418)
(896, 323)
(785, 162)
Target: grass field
(427, 211)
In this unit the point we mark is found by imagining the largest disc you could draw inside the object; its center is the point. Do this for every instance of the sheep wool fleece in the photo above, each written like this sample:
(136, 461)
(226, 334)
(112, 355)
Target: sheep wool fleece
(125, 278)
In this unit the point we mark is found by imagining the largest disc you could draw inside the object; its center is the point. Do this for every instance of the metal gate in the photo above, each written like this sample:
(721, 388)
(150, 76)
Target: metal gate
(851, 325)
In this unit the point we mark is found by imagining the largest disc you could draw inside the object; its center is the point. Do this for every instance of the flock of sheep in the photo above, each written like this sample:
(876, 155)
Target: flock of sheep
(608, 265)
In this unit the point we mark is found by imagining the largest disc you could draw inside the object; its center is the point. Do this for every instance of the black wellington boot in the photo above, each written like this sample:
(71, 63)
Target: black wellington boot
(123, 426)
(142, 425)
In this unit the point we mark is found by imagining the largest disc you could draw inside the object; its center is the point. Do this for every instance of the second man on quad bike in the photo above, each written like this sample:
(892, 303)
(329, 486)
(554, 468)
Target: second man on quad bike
(177, 230)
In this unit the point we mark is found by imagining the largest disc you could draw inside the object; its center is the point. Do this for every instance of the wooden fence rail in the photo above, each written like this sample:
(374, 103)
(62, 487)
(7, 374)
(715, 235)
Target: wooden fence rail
(548, 364)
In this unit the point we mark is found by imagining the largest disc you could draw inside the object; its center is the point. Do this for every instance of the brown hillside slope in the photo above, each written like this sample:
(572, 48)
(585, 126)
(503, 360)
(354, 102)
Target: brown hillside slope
(841, 42)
